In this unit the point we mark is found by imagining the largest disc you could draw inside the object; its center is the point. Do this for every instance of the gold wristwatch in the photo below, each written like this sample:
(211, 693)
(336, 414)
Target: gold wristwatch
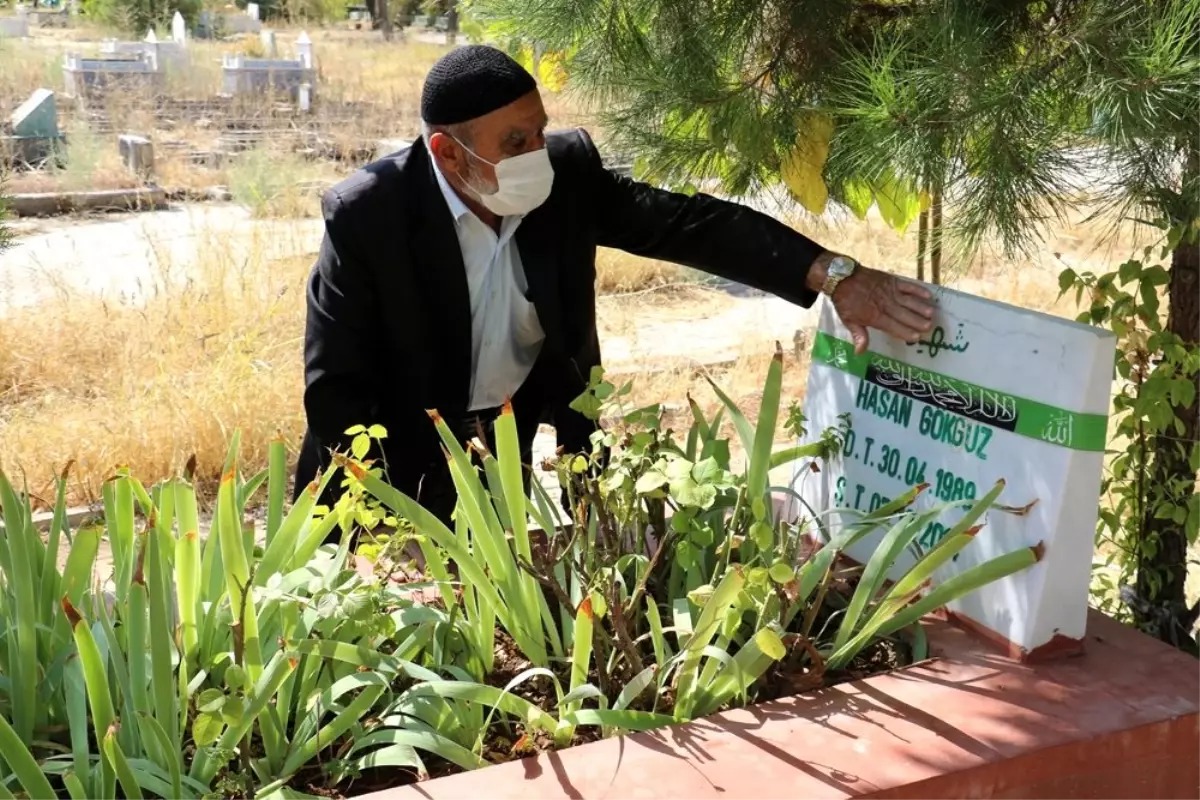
(840, 268)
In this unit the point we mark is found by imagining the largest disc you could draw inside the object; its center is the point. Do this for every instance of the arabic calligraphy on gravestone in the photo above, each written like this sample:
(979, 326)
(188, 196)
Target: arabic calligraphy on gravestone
(1011, 394)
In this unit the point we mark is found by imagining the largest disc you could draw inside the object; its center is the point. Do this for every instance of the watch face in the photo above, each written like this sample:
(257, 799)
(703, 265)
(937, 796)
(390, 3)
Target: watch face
(841, 267)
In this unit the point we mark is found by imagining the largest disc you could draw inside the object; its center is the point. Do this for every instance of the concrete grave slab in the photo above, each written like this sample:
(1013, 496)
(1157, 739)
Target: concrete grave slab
(995, 392)
(242, 75)
(132, 72)
(14, 27)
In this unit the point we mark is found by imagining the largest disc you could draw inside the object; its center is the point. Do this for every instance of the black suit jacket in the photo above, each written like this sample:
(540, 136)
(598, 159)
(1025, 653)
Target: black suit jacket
(389, 330)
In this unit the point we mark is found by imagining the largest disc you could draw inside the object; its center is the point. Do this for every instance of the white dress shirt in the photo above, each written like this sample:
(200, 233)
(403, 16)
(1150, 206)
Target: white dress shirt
(506, 335)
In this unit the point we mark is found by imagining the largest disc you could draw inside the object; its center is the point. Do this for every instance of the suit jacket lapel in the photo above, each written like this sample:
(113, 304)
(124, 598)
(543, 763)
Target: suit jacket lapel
(437, 258)
(535, 243)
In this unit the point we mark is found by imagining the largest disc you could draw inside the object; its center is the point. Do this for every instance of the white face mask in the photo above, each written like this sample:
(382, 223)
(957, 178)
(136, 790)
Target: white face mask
(523, 183)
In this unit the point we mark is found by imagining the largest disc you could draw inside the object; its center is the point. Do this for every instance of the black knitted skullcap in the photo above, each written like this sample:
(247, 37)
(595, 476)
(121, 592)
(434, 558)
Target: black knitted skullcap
(471, 81)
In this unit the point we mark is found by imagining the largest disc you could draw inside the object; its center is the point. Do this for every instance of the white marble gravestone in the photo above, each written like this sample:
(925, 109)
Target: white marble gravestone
(178, 29)
(993, 392)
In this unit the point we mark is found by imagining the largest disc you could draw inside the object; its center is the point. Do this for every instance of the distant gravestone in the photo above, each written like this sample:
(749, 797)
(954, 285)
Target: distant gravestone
(304, 50)
(132, 72)
(15, 27)
(37, 117)
(994, 392)
(252, 11)
(236, 24)
(178, 29)
(267, 38)
(137, 154)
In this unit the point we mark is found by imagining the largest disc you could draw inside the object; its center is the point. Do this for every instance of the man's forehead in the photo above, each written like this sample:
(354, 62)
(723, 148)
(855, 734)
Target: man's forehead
(525, 116)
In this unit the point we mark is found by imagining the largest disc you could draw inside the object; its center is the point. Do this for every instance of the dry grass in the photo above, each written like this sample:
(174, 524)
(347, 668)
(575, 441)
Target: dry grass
(104, 383)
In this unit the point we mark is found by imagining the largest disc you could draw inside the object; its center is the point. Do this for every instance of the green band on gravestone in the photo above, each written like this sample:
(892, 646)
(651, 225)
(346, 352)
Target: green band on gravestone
(1039, 421)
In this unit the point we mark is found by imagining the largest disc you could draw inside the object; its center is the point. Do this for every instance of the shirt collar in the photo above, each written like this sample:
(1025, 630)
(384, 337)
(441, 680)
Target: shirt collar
(458, 209)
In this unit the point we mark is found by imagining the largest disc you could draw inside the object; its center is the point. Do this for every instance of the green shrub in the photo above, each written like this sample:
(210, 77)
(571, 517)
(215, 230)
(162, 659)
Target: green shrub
(225, 664)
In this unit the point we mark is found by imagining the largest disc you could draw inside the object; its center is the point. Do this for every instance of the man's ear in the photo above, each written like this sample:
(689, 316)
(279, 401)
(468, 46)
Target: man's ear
(447, 151)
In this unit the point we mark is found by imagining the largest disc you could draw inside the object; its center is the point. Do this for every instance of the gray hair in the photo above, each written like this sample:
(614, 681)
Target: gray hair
(460, 132)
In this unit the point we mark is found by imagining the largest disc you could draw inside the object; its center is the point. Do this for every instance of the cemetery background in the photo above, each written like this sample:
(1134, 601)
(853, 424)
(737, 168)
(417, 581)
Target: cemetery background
(272, 160)
(369, 91)
(211, 302)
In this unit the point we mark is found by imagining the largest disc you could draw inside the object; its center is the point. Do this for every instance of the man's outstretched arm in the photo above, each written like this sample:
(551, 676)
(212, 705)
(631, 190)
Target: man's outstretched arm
(746, 246)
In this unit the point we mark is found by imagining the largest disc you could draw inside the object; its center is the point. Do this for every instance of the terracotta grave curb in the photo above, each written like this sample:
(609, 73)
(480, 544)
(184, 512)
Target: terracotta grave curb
(1120, 720)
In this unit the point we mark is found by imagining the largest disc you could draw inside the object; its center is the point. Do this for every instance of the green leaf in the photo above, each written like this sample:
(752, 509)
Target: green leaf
(1129, 271)
(599, 604)
(377, 432)
(687, 493)
(1183, 392)
(899, 203)
(502, 700)
(360, 446)
(233, 711)
(129, 783)
(1191, 524)
(762, 535)
(206, 729)
(700, 595)
(706, 470)
(782, 572)
(769, 642)
(210, 701)
(235, 680)
(649, 482)
(633, 690)
(429, 741)
(1066, 279)
(22, 763)
(857, 196)
(354, 430)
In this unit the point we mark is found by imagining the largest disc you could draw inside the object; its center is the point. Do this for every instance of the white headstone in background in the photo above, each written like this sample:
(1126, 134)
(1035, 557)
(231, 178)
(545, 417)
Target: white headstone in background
(16, 27)
(252, 10)
(267, 37)
(178, 29)
(304, 50)
(993, 392)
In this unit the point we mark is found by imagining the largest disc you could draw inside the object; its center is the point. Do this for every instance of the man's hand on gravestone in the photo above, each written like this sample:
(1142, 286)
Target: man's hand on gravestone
(871, 298)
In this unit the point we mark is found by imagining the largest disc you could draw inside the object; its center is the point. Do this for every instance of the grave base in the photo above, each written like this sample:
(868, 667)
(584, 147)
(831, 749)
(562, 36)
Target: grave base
(1121, 720)
(32, 151)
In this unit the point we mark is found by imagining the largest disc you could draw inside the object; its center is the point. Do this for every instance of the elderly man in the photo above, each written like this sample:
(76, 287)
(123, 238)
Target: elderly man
(460, 272)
